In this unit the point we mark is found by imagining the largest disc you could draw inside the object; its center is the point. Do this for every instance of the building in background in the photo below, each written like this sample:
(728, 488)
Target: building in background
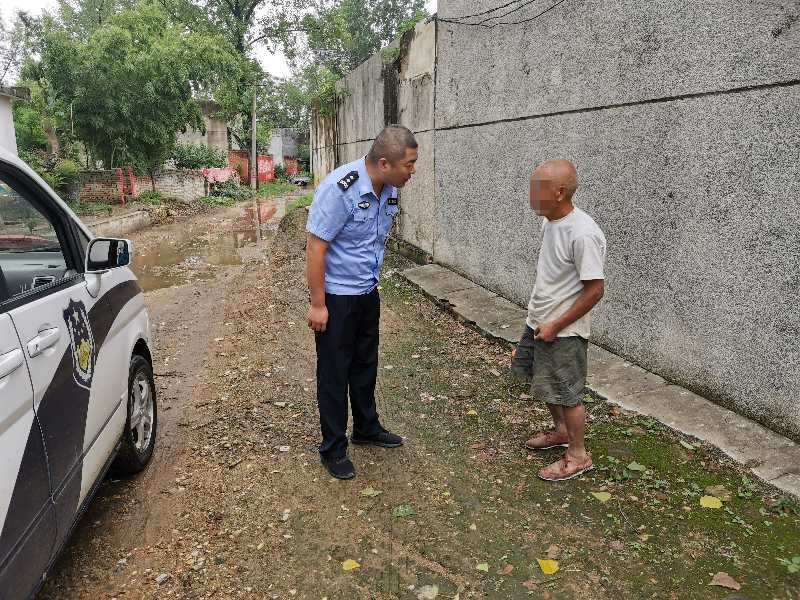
(216, 134)
(8, 136)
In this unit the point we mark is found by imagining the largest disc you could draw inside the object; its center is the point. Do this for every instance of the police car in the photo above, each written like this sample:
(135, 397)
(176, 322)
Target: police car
(76, 378)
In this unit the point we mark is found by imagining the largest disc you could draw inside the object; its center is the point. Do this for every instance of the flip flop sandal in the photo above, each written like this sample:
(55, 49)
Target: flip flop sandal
(557, 445)
(569, 476)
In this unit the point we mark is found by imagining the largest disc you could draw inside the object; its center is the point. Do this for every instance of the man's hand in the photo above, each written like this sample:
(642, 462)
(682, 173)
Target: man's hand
(546, 332)
(318, 318)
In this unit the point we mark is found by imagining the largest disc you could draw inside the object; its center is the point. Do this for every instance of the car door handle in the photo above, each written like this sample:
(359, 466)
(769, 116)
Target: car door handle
(43, 341)
(10, 362)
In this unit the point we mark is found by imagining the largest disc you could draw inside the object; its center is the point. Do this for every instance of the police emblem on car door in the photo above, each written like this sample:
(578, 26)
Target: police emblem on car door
(82, 343)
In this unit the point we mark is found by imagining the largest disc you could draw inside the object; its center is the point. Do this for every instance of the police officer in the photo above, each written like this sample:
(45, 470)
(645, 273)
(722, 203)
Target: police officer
(350, 217)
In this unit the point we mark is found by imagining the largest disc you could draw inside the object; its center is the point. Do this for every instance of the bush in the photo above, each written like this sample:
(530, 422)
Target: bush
(67, 171)
(198, 156)
(150, 197)
(280, 173)
(231, 189)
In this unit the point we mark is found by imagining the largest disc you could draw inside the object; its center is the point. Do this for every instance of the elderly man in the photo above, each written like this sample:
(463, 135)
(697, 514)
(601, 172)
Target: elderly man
(350, 217)
(569, 283)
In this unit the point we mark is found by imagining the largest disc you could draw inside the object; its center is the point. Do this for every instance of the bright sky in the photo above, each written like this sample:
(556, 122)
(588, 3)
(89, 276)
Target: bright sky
(273, 63)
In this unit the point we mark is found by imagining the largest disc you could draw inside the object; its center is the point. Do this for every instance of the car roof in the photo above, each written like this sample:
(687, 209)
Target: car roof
(7, 158)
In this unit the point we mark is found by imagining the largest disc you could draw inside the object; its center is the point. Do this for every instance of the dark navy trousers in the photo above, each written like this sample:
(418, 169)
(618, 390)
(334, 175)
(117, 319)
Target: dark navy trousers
(347, 365)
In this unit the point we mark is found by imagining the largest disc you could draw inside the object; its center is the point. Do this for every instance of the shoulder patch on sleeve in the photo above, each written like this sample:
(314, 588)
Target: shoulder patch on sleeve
(345, 182)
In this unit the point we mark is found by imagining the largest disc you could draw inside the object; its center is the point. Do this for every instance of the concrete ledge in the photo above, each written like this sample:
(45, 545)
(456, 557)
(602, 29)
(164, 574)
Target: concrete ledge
(769, 456)
(120, 225)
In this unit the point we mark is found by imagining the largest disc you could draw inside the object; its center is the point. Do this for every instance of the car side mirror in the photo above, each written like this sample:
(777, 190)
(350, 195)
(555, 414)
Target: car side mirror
(107, 253)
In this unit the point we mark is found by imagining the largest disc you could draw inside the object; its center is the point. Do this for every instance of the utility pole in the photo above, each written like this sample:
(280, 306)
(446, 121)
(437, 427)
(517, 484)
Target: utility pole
(253, 155)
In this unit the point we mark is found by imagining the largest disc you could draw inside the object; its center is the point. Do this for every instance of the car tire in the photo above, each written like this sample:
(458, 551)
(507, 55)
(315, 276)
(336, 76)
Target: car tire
(139, 437)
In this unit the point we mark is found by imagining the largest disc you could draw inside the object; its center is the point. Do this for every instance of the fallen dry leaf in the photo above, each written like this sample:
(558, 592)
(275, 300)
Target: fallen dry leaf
(428, 592)
(710, 502)
(722, 579)
(548, 567)
(472, 412)
(554, 552)
(602, 496)
(530, 585)
(719, 491)
(478, 446)
(350, 565)
(616, 545)
(483, 567)
(507, 570)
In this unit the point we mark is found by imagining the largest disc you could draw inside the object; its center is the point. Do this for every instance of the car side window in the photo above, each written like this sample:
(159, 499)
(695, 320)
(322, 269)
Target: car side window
(31, 253)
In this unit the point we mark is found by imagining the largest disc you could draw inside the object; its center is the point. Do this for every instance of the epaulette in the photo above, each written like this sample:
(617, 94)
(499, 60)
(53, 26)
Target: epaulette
(348, 180)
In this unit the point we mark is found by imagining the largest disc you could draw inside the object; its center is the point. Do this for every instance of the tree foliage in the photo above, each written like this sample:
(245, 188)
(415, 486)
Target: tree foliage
(339, 35)
(131, 84)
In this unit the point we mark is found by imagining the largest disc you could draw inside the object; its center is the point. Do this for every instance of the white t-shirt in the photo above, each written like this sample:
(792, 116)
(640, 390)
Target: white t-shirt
(573, 250)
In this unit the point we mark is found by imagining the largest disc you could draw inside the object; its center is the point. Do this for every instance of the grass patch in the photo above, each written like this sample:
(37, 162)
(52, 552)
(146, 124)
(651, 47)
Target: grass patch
(218, 200)
(275, 188)
(151, 197)
(299, 202)
(91, 209)
(650, 539)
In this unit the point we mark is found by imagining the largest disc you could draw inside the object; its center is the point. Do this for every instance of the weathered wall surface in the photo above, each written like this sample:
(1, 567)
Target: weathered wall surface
(685, 128)
(322, 145)
(360, 114)
(112, 185)
(415, 96)
(8, 139)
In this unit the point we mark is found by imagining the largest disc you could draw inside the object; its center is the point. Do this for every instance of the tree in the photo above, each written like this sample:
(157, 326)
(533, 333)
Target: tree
(131, 84)
(340, 35)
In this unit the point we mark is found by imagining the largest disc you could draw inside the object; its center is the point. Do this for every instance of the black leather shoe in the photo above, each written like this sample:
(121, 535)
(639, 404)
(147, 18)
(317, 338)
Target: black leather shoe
(340, 468)
(385, 439)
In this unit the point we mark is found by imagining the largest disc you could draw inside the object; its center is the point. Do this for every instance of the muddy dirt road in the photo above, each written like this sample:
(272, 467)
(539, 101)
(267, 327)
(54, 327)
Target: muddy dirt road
(236, 505)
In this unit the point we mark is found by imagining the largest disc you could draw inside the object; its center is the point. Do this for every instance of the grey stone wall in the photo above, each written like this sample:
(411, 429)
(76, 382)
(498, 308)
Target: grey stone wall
(685, 127)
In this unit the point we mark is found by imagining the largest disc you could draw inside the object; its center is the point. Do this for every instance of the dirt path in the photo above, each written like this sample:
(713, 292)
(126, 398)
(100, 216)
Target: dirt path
(237, 505)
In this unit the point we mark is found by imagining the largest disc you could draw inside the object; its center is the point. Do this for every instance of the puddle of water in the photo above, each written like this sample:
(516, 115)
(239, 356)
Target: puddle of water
(178, 261)
(175, 262)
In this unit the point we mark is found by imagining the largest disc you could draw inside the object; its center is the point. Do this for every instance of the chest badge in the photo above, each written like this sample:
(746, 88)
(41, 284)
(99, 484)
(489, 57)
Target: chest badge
(363, 205)
(82, 343)
(392, 201)
(345, 182)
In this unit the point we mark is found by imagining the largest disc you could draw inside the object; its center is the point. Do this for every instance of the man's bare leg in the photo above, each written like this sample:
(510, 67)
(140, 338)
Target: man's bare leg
(558, 436)
(559, 423)
(575, 423)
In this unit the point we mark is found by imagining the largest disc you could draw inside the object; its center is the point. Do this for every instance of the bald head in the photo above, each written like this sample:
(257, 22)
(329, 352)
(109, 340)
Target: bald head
(558, 174)
(552, 186)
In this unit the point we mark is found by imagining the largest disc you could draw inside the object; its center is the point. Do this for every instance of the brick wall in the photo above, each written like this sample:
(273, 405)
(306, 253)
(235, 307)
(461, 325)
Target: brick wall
(112, 185)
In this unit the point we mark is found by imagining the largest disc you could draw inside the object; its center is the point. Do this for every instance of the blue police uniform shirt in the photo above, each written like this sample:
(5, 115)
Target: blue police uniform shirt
(355, 222)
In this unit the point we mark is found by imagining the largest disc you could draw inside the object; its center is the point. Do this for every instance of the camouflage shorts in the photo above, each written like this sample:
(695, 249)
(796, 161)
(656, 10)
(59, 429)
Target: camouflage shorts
(556, 370)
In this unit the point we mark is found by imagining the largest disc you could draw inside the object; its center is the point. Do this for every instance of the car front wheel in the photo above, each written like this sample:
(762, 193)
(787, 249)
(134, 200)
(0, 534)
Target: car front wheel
(139, 437)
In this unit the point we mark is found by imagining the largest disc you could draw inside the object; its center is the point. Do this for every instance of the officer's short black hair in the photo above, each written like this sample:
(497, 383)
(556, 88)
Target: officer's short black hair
(391, 144)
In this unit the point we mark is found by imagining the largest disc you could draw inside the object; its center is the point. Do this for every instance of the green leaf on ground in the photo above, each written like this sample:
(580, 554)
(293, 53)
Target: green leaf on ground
(602, 496)
(403, 510)
(634, 466)
(688, 446)
(370, 492)
(483, 567)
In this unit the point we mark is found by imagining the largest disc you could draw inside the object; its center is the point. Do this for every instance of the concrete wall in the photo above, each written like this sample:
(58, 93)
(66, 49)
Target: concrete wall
(416, 86)
(322, 145)
(216, 134)
(685, 126)
(8, 137)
